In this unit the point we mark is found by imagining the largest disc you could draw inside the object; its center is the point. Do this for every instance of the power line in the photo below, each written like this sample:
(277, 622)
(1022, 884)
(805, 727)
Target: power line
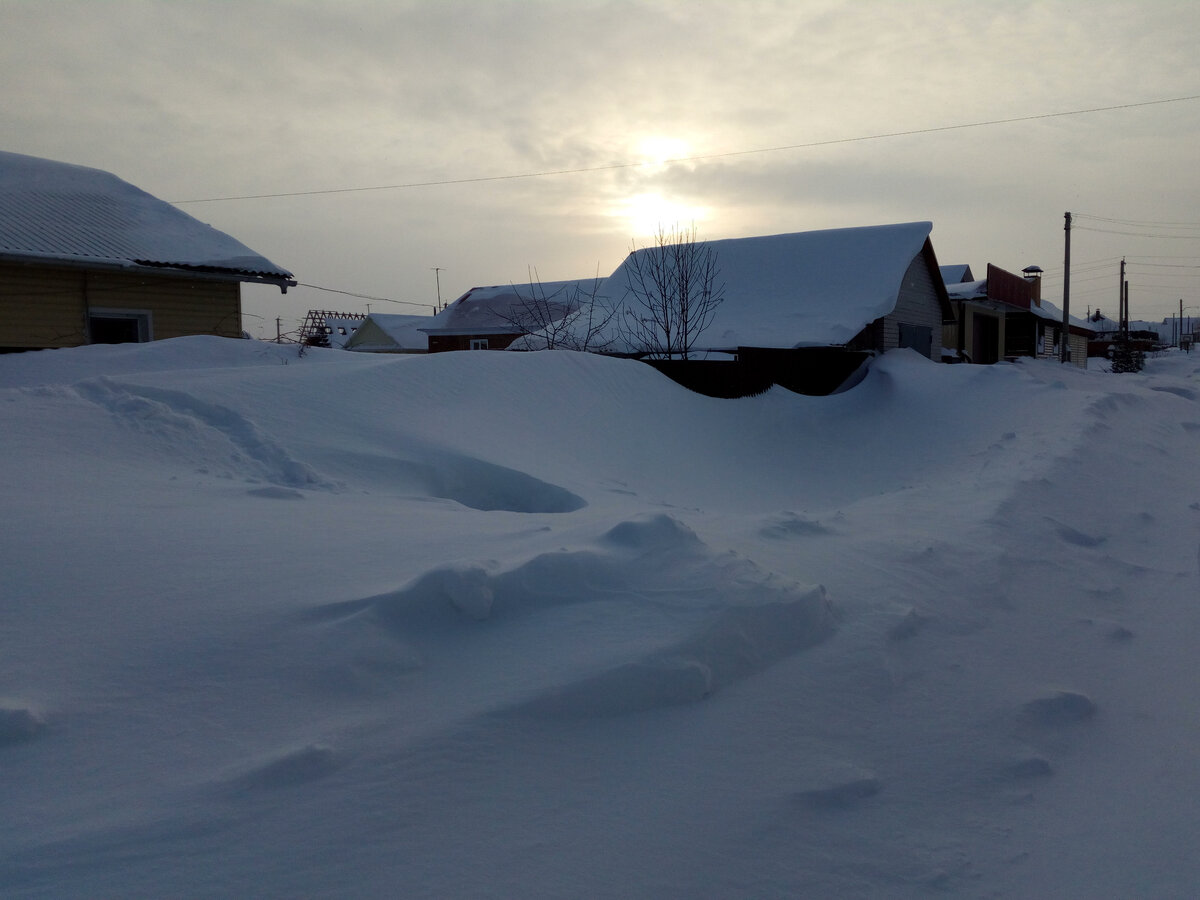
(684, 159)
(1145, 234)
(317, 287)
(1137, 224)
(1142, 265)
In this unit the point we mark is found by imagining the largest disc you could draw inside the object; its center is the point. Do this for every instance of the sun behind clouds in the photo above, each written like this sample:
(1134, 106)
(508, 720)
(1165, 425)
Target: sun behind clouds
(647, 213)
(650, 208)
(657, 151)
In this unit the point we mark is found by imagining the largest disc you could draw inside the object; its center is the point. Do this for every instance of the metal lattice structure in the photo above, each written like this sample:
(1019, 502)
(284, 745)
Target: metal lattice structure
(315, 330)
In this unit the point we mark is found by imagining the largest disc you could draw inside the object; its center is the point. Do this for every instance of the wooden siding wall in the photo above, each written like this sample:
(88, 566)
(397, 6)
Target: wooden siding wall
(950, 329)
(41, 307)
(1049, 349)
(917, 305)
(46, 306)
(1079, 350)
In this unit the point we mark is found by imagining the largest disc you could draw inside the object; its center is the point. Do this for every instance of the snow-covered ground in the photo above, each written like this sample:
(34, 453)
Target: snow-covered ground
(549, 625)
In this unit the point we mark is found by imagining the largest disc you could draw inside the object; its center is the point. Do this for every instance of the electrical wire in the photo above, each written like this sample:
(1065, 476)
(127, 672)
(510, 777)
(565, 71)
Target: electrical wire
(1134, 223)
(317, 287)
(702, 158)
(1177, 237)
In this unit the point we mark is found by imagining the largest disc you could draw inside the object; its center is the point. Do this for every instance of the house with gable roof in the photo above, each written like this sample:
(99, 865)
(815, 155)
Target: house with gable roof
(492, 318)
(389, 333)
(1003, 316)
(804, 310)
(484, 318)
(87, 258)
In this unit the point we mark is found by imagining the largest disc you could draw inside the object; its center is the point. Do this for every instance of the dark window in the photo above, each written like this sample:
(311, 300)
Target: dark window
(114, 329)
(918, 337)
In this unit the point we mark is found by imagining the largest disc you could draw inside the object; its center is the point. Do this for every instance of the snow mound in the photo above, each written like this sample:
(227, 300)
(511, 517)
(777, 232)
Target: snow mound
(909, 626)
(218, 437)
(276, 493)
(658, 533)
(481, 485)
(17, 724)
(1059, 708)
(648, 616)
(736, 644)
(838, 786)
(194, 353)
(1029, 767)
(1185, 393)
(793, 525)
(1074, 536)
(295, 767)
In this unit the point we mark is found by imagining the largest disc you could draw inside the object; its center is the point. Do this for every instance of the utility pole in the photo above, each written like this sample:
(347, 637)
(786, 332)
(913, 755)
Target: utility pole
(1125, 316)
(278, 330)
(1178, 329)
(437, 274)
(1122, 299)
(1065, 345)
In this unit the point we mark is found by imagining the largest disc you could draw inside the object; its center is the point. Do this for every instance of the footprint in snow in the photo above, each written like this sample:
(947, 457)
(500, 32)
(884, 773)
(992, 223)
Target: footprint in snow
(1058, 709)
(838, 786)
(276, 493)
(1029, 767)
(302, 766)
(908, 627)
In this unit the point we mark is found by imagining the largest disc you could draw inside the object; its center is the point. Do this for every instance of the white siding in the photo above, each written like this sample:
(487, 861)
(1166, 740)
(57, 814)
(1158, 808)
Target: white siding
(917, 305)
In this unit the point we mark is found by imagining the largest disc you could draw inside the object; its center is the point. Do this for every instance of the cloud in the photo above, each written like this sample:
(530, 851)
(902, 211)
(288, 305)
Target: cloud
(211, 99)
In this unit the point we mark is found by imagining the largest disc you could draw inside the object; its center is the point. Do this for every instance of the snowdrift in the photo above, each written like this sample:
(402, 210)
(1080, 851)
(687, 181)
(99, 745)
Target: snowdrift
(546, 624)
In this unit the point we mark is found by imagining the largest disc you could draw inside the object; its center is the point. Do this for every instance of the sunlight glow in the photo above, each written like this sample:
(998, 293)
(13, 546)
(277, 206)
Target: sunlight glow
(646, 213)
(655, 151)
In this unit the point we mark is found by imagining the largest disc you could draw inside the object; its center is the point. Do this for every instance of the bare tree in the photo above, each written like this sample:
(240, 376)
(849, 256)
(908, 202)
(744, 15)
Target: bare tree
(672, 293)
(567, 317)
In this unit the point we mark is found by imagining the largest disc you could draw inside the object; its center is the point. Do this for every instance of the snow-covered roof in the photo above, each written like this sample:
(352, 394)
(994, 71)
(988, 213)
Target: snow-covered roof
(956, 274)
(499, 308)
(390, 333)
(341, 329)
(978, 290)
(59, 212)
(967, 290)
(1050, 312)
(811, 288)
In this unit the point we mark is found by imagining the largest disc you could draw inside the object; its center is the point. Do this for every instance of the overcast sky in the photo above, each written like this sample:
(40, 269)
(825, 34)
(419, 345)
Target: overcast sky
(198, 99)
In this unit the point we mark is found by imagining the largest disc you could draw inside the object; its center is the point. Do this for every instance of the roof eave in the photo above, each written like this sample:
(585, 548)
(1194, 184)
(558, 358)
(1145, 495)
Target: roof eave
(177, 270)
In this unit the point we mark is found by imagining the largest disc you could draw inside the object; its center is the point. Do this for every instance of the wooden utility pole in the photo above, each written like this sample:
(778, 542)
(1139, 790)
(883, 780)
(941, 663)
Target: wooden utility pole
(1125, 313)
(1065, 344)
(1122, 297)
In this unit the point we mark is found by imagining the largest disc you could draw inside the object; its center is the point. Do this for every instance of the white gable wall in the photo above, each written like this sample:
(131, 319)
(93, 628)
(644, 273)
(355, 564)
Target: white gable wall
(916, 304)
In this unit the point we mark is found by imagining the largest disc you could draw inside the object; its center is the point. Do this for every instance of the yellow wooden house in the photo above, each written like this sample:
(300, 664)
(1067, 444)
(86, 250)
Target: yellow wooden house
(87, 258)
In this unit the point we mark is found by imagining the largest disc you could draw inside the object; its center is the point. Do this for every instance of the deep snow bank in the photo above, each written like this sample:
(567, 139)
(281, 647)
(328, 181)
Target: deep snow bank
(548, 625)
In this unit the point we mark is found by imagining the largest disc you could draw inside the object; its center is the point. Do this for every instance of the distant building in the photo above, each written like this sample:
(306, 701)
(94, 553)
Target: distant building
(86, 258)
(1003, 316)
(802, 310)
(389, 333)
(484, 318)
(956, 274)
